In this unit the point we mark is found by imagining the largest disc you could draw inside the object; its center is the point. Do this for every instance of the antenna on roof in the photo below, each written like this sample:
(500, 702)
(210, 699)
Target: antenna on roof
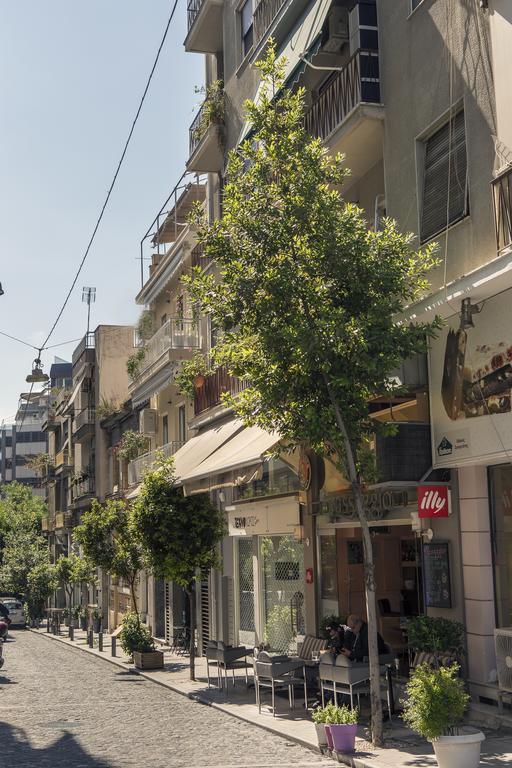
(88, 297)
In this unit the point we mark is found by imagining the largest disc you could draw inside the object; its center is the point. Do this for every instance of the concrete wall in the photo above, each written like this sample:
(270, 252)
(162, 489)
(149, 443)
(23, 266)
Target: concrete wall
(500, 12)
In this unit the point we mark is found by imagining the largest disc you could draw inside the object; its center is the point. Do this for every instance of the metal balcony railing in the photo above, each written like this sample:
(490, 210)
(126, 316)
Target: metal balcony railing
(62, 458)
(201, 122)
(137, 467)
(264, 14)
(84, 487)
(86, 416)
(358, 82)
(87, 342)
(175, 333)
(210, 393)
(502, 196)
(193, 8)
(199, 259)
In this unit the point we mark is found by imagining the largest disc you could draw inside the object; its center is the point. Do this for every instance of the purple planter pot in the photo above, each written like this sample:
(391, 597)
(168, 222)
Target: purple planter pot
(343, 737)
(328, 736)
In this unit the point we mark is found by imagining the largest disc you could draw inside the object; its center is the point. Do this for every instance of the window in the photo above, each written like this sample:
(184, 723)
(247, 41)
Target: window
(414, 4)
(445, 184)
(182, 424)
(246, 27)
(165, 430)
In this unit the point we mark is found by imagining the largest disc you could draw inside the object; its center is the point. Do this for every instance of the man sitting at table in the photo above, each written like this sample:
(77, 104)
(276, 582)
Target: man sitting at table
(340, 636)
(358, 649)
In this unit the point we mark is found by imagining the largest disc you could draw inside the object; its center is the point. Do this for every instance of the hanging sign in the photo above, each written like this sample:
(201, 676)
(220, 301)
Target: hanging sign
(433, 501)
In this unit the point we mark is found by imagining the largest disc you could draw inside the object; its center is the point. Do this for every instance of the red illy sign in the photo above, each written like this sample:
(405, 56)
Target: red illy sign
(433, 501)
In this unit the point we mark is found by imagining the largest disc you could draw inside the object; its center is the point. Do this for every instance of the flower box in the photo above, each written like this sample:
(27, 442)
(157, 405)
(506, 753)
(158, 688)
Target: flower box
(149, 660)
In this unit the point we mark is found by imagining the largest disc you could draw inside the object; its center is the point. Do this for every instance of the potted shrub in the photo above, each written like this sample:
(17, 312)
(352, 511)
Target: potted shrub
(342, 723)
(75, 616)
(443, 639)
(65, 617)
(137, 642)
(96, 620)
(83, 619)
(320, 717)
(434, 708)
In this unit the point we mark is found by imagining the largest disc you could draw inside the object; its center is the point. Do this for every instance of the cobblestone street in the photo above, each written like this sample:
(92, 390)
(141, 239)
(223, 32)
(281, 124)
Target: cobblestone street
(60, 707)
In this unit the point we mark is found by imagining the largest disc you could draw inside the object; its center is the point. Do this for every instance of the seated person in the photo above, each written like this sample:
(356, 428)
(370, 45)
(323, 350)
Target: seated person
(340, 636)
(358, 650)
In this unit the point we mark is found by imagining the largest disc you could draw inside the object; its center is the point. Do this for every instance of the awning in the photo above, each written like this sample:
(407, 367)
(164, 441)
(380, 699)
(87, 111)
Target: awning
(74, 393)
(154, 384)
(303, 43)
(246, 448)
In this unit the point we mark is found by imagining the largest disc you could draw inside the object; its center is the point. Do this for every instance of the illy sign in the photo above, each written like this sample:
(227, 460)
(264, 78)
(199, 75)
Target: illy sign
(433, 501)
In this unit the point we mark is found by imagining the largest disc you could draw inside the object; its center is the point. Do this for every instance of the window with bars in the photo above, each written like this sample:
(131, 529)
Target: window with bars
(246, 27)
(445, 182)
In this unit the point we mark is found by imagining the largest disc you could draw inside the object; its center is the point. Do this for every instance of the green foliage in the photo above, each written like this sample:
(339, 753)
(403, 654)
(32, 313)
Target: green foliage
(134, 361)
(24, 551)
(41, 463)
(20, 511)
(436, 635)
(41, 583)
(179, 533)
(106, 408)
(279, 632)
(109, 539)
(146, 325)
(327, 621)
(212, 110)
(436, 701)
(189, 370)
(72, 570)
(342, 716)
(307, 302)
(133, 444)
(135, 636)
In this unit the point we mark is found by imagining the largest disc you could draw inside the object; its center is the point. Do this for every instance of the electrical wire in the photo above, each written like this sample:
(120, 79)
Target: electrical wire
(26, 408)
(116, 174)
(15, 338)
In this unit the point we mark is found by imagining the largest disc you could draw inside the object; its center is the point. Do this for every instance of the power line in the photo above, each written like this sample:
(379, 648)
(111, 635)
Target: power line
(15, 338)
(107, 198)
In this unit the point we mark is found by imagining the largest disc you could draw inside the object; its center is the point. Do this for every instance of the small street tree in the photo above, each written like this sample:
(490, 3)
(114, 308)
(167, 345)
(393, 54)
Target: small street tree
(69, 571)
(23, 552)
(180, 534)
(20, 510)
(307, 300)
(41, 583)
(110, 541)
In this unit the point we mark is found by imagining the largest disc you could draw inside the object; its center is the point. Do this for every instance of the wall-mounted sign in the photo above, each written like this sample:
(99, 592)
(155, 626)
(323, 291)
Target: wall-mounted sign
(377, 505)
(309, 575)
(304, 471)
(433, 501)
(280, 516)
(436, 574)
(471, 387)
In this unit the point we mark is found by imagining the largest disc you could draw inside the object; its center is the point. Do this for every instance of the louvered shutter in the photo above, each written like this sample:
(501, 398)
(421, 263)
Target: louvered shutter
(435, 187)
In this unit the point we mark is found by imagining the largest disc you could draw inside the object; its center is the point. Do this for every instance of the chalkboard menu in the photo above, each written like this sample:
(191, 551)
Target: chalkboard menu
(436, 572)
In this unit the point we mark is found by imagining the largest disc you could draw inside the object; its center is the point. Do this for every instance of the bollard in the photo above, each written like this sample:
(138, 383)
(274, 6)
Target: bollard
(113, 648)
(48, 625)
(71, 632)
(100, 641)
(90, 639)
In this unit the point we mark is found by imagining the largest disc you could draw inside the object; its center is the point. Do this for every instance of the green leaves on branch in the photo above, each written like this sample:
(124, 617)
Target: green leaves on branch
(133, 444)
(436, 701)
(185, 379)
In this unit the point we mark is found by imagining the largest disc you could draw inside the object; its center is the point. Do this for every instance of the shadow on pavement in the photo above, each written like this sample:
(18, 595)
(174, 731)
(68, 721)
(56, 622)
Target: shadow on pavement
(62, 753)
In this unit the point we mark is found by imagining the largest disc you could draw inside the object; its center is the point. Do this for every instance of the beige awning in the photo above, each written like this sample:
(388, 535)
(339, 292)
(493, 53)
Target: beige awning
(249, 446)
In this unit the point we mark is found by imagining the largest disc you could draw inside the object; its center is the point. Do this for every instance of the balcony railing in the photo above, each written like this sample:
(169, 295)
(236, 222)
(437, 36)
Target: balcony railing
(63, 519)
(85, 417)
(210, 394)
(199, 259)
(210, 113)
(264, 14)
(137, 467)
(87, 342)
(62, 458)
(358, 82)
(84, 487)
(175, 333)
(193, 8)
(502, 195)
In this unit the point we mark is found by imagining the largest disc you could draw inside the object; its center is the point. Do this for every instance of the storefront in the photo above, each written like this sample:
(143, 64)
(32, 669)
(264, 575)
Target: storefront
(471, 397)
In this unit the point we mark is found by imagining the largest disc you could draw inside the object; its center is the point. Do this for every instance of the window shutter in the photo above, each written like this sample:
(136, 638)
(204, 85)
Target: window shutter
(436, 172)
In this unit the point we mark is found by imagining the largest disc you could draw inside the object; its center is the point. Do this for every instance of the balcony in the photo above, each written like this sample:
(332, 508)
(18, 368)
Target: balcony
(86, 344)
(82, 489)
(51, 424)
(199, 259)
(502, 196)
(137, 467)
(84, 424)
(63, 520)
(348, 115)
(206, 134)
(210, 393)
(172, 341)
(204, 25)
(63, 461)
(45, 524)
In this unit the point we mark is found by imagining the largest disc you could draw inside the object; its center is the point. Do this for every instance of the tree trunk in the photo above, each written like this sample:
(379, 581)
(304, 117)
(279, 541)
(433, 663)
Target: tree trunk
(192, 629)
(134, 598)
(369, 580)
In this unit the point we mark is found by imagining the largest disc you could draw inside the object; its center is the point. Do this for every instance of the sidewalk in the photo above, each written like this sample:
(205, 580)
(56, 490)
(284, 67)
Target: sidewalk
(403, 748)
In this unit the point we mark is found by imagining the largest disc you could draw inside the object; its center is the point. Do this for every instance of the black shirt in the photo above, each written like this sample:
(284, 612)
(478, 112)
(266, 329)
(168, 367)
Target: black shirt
(360, 646)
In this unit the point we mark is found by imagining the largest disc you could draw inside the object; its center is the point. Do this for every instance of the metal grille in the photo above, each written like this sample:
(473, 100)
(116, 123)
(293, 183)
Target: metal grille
(205, 610)
(169, 633)
(245, 591)
(283, 591)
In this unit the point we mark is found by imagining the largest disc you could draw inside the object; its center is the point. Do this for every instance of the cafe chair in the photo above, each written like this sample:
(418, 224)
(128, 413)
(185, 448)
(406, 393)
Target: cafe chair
(279, 673)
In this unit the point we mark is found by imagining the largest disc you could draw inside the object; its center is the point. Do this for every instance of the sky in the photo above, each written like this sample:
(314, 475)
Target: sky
(71, 77)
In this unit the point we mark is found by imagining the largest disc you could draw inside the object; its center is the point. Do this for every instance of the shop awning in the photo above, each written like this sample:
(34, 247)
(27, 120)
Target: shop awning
(303, 43)
(246, 448)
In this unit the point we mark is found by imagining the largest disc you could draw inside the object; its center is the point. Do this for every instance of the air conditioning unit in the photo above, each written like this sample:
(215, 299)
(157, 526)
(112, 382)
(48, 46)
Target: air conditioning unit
(337, 32)
(503, 647)
(147, 421)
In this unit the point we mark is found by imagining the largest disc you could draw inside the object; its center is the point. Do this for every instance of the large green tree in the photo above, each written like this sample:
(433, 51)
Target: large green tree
(110, 541)
(23, 551)
(307, 300)
(180, 534)
(20, 510)
(72, 570)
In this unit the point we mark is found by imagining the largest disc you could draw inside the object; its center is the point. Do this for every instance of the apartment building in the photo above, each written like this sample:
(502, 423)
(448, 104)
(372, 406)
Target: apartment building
(22, 442)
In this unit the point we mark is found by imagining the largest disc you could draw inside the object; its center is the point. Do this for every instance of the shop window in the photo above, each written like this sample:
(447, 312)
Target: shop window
(355, 552)
(501, 519)
(328, 572)
(245, 590)
(282, 559)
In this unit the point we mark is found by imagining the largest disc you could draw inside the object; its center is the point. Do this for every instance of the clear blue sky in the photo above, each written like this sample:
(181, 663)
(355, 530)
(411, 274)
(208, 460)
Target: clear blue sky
(71, 76)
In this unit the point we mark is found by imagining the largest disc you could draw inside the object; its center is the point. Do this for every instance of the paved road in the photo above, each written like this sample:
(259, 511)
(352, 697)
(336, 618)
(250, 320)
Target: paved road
(62, 708)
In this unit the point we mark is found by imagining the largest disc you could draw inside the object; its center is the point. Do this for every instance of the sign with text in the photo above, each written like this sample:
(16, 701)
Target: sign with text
(279, 516)
(436, 572)
(433, 501)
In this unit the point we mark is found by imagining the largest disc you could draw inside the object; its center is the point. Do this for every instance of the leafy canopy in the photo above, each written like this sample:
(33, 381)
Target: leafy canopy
(24, 551)
(20, 510)
(308, 294)
(179, 533)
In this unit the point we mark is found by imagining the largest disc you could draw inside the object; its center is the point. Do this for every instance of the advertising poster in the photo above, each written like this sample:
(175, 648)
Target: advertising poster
(471, 387)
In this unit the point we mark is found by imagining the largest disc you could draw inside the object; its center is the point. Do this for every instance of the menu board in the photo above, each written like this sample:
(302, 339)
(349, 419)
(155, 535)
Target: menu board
(436, 573)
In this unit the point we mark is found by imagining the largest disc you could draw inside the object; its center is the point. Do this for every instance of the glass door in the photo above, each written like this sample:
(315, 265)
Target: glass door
(282, 591)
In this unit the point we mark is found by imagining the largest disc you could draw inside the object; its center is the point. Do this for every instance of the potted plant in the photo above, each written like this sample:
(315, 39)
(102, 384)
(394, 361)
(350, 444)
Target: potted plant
(443, 639)
(65, 617)
(434, 708)
(320, 718)
(137, 642)
(83, 618)
(75, 616)
(342, 723)
(96, 620)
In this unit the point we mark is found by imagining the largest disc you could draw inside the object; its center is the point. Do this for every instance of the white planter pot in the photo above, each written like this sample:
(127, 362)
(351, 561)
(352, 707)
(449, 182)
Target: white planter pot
(462, 751)
(320, 734)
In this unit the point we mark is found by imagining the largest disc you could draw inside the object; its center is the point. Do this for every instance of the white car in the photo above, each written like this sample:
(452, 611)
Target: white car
(15, 608)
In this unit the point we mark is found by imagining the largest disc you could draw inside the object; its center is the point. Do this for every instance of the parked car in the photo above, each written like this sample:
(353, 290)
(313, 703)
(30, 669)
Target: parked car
(16, 613)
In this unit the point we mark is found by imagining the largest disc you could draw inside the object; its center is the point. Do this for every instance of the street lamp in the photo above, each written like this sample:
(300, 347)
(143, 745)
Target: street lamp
(37, 376)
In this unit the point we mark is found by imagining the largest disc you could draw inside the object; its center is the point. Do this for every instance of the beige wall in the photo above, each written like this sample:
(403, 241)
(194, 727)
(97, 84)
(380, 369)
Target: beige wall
(501, 46)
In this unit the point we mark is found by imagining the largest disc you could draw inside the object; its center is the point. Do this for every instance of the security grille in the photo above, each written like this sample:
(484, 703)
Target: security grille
(283, 591)
(205, 609)
(245, 591)
(169, 635)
